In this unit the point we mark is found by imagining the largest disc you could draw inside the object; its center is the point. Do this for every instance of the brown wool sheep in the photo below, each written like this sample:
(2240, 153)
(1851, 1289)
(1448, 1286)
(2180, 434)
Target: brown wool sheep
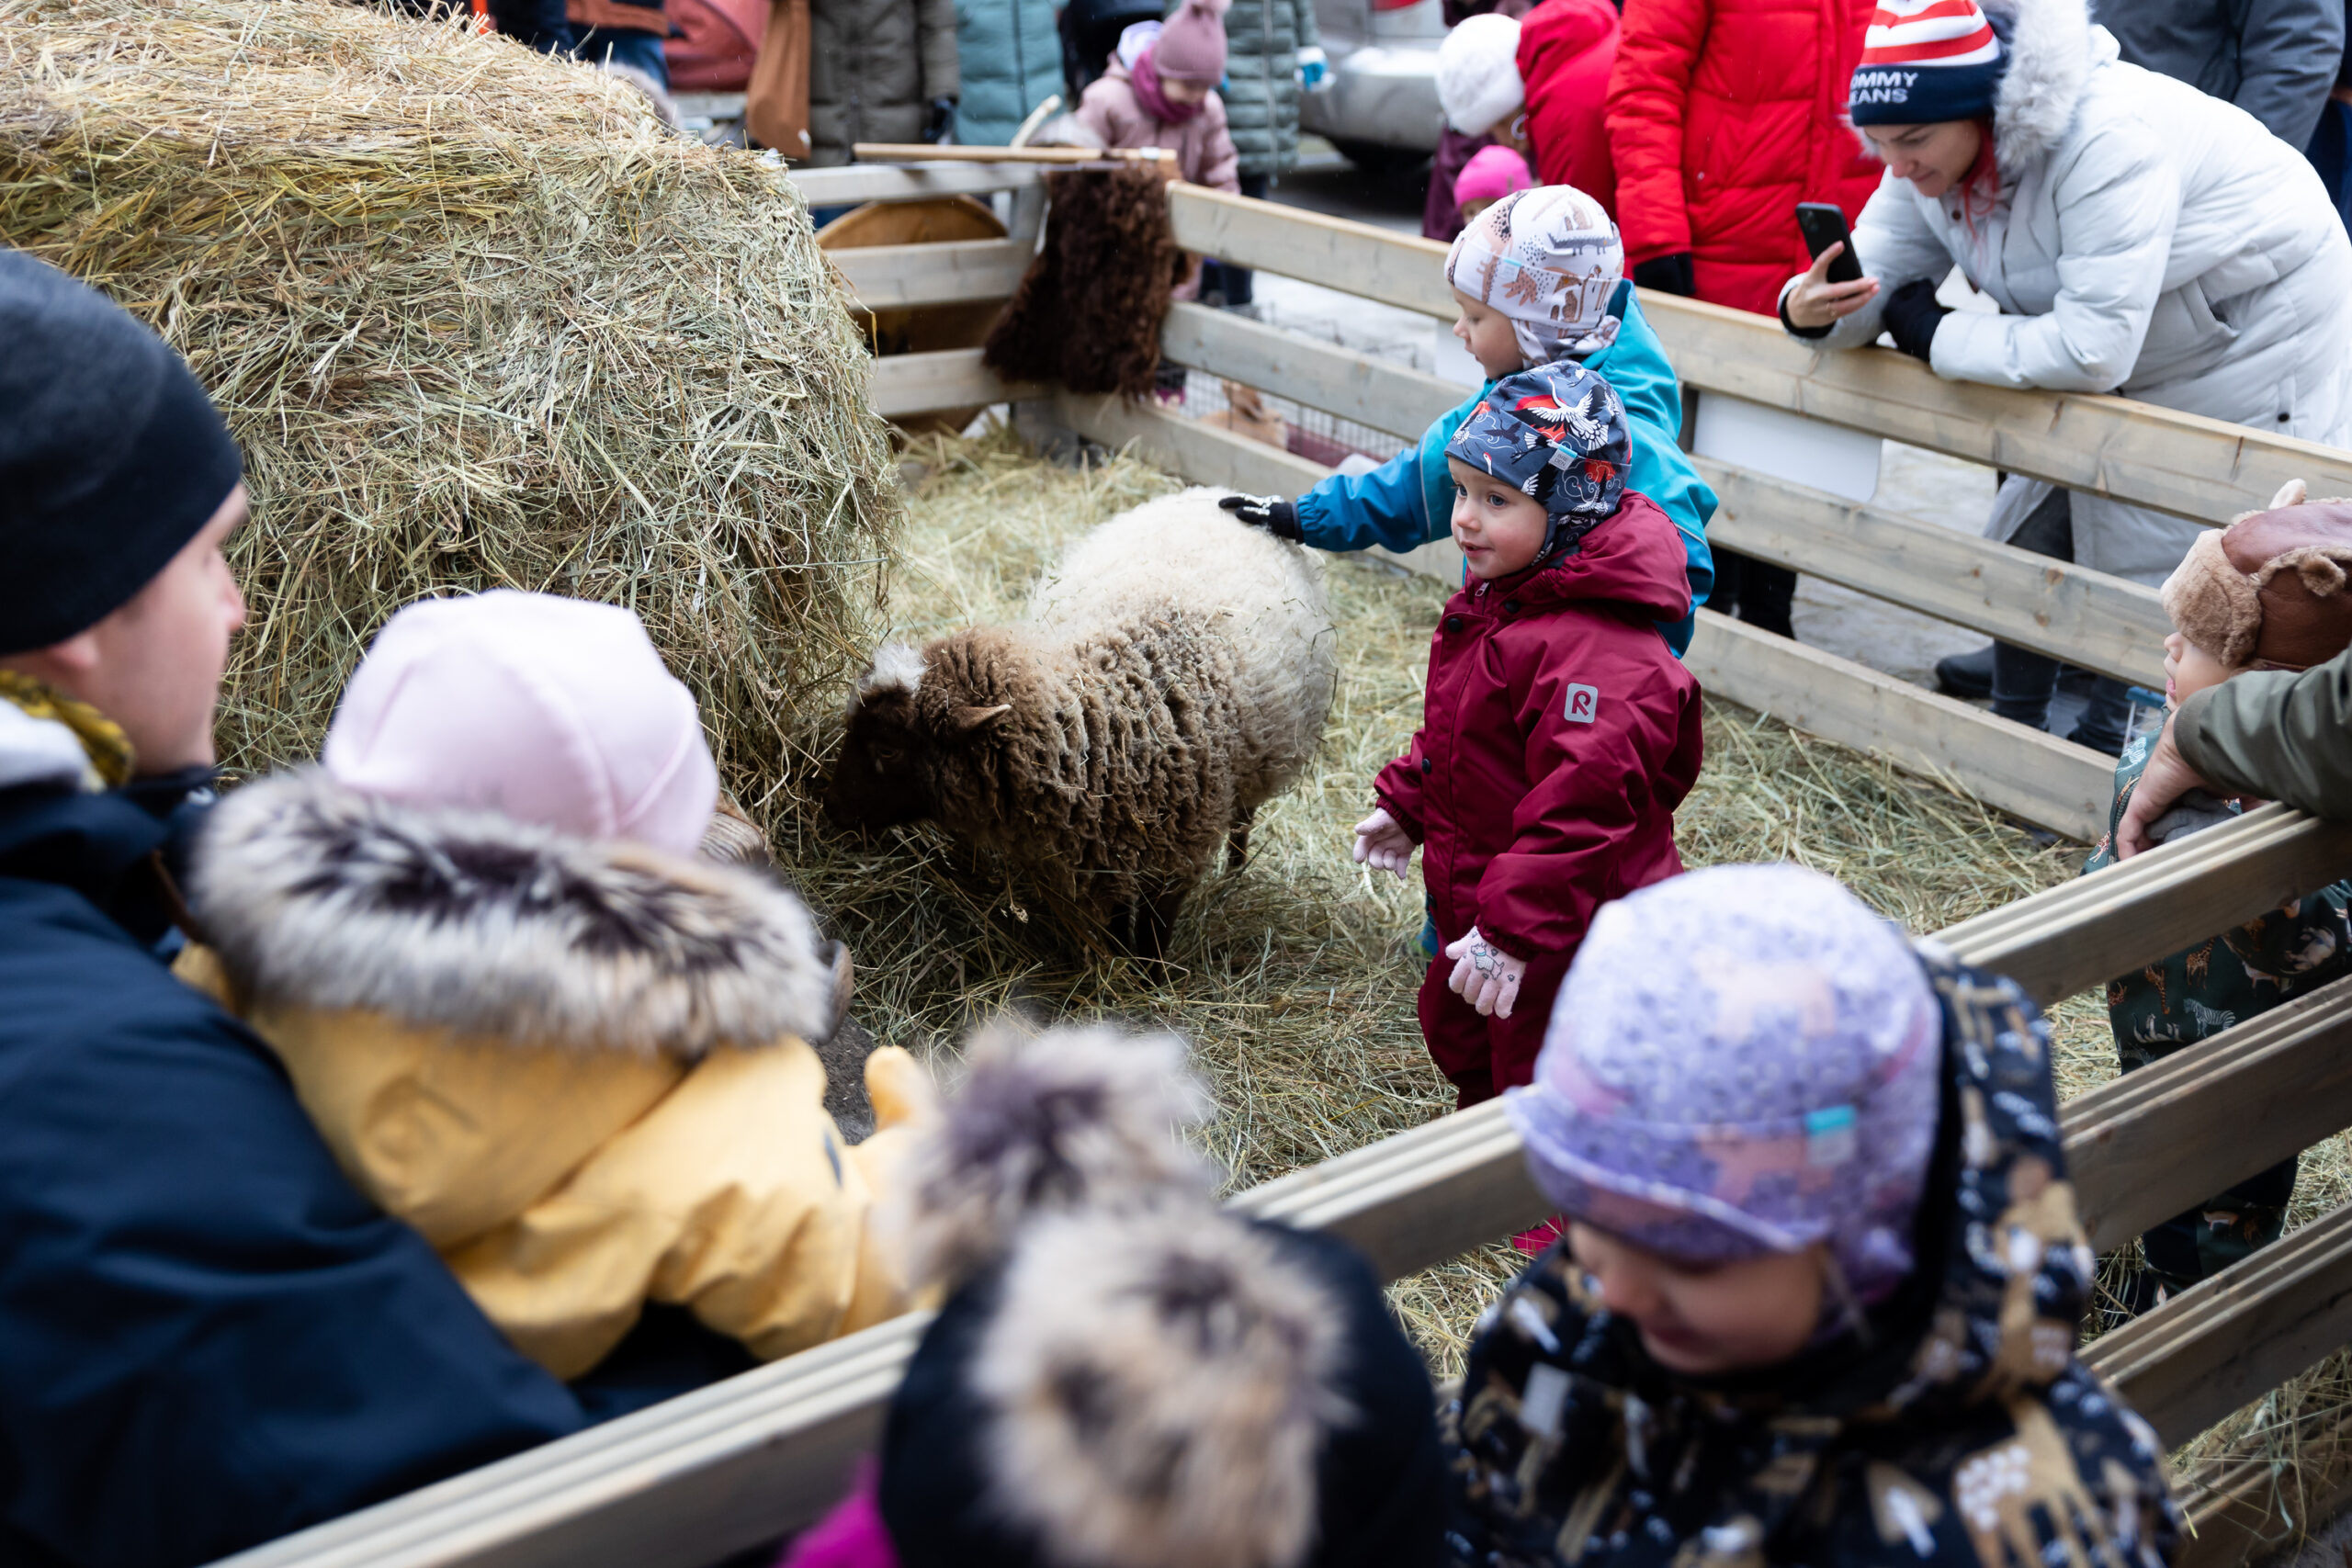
(1173, 675)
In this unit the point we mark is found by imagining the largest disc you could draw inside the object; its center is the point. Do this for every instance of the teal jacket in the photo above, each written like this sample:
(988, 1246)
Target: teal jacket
(1408, 500)
(1011, 61)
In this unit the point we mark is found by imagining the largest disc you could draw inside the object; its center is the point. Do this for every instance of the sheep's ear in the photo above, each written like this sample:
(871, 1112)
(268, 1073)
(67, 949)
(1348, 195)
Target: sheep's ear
(969, 719)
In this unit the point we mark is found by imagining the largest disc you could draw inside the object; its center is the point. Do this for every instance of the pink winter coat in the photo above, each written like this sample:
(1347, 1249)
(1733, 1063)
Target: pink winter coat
(1203, 150)
(1559, 735)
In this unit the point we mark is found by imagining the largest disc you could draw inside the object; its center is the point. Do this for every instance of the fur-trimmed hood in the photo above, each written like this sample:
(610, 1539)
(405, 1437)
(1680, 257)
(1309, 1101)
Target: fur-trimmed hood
(2053, 47)
(313, 896)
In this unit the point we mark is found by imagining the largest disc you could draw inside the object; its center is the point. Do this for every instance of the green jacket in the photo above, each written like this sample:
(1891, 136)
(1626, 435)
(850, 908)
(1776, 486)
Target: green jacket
(874, 67)
(1263, 39)
(2224, 980)
(1011, 61)
(2278, 735)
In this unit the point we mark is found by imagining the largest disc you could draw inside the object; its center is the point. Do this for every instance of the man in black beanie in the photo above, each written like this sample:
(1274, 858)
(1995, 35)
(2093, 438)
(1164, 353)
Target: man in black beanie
(207, 1337)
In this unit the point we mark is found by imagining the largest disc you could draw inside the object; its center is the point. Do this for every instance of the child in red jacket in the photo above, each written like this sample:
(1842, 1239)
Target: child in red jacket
(1560, 731)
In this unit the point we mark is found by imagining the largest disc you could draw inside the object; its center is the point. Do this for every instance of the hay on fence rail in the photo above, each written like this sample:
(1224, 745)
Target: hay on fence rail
(476, 320)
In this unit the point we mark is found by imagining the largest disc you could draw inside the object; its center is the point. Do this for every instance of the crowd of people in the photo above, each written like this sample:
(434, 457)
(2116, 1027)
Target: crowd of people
(409, 1108)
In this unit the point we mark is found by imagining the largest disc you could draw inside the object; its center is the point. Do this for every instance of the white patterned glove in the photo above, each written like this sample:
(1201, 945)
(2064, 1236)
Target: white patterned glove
(1484, 975)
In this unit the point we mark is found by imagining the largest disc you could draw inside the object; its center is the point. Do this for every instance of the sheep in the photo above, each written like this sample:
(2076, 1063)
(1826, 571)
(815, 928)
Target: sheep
(1172, 675)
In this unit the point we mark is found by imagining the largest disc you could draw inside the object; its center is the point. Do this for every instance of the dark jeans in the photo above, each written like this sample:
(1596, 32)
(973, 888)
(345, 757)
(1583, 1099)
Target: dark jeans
(1758, 591)
(1222, 282)
(2023, 682)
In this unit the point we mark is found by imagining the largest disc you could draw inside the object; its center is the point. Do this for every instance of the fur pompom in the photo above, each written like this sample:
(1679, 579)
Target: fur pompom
(315, 895)
(1075, 1117)
(1160, 1383)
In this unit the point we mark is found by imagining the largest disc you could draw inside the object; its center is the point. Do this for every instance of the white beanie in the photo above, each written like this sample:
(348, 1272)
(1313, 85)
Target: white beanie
(553, 711)
(1477, 73)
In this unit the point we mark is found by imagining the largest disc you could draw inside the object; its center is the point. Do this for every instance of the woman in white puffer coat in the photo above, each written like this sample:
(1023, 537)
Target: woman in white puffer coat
(2138, 236)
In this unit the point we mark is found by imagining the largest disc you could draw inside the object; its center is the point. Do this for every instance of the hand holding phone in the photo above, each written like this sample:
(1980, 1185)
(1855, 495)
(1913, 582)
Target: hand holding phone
(1835, 287)
(1823, 225)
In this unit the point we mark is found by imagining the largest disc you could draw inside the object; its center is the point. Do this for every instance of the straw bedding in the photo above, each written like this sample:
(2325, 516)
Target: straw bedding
(476, 320)
(1293, 976)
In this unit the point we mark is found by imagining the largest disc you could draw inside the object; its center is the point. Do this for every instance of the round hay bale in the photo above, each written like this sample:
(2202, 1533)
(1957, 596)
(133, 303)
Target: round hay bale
(477, 321)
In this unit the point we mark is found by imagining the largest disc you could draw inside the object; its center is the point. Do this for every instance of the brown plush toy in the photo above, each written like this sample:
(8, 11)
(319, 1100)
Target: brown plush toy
(2269, 589)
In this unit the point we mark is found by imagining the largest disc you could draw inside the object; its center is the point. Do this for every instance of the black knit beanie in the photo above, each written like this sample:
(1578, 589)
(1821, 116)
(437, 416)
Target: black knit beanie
(111, 456)
(1377, 1478)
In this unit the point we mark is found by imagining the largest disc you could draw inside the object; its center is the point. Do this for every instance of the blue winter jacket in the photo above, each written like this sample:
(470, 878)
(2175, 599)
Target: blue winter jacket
(1408, 500)
(1011, 58)
(207, 1337)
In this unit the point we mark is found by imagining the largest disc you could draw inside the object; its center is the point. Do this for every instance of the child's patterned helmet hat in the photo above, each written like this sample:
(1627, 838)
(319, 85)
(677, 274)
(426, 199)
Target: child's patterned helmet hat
(1556, 433)
(1550, 259)
(1742, 1060)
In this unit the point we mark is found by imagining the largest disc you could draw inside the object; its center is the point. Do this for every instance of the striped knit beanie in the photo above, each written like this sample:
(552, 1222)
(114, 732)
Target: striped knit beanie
(1927, 60)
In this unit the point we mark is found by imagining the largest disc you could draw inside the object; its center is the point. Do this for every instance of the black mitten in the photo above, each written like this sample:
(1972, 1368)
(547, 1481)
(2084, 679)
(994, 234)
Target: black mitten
(1912, 317)
(1272, 512)
(939, 119)
(1667, 275)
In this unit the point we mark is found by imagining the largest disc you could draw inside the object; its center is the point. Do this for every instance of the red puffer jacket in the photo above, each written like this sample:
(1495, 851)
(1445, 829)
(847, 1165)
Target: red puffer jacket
(1565, 50)
(1559, 735)
(1722, 116)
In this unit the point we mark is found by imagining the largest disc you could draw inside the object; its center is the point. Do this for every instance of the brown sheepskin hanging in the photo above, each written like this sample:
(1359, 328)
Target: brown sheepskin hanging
(1089, 312)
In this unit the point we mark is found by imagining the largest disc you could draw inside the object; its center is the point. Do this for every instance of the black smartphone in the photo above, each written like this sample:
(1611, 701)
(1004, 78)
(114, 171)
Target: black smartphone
(1823, 225)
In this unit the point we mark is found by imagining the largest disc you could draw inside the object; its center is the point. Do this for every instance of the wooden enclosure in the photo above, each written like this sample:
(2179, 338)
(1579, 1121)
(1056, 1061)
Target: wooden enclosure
(747, 1460)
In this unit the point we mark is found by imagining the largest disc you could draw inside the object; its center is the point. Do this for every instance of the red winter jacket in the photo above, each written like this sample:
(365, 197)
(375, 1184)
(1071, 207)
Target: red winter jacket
(1559, 735)
(1722, 116)
(1566, 49)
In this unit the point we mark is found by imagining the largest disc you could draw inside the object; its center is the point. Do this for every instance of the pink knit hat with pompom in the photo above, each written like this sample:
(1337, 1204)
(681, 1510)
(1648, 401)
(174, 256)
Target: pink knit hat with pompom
(1492, 174)
(1192, 43)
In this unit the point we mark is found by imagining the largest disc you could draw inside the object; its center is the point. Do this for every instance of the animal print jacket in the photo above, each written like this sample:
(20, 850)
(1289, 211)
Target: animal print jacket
(1961, 1431)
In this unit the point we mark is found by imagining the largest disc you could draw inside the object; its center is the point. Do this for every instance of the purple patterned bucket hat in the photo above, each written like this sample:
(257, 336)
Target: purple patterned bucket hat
(1742, 1060)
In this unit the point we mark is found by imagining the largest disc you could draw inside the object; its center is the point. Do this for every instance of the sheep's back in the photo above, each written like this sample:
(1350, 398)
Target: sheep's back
(1183, 556)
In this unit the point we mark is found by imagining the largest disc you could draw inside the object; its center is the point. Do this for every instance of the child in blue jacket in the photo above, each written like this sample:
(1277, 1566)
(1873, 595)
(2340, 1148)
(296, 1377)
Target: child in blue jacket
(1540, 277)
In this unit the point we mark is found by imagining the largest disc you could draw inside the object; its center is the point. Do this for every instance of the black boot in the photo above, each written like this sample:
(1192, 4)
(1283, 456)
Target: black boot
(1966, 674)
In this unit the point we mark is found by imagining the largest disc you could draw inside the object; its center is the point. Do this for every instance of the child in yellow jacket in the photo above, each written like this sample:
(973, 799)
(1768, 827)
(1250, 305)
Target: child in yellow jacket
(525, 1017)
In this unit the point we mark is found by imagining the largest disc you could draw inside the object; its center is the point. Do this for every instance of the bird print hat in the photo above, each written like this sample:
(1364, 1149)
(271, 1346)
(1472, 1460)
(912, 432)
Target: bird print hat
(1550, 259)
(1557, 433)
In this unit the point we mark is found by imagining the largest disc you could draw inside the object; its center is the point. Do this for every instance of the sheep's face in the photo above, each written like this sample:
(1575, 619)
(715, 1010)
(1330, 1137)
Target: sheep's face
(879, 780)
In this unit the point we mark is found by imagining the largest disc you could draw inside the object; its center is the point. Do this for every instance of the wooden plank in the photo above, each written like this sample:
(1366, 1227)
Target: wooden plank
(880, 277)
(1355, 385)
(2047, 781)
(853, 184)
(2148, 1145)
(2068, 611)
(761, 1454)
(2204, 468)
(1354, 259)
(2241, 1510)
(2222, 1343)
(2199, 468)
(905, 384)
(932, 153)
(2086, 617)
(2073, 937)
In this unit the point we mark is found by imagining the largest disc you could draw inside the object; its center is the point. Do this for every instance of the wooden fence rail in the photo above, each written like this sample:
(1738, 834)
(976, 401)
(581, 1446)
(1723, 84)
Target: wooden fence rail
(689, 1480)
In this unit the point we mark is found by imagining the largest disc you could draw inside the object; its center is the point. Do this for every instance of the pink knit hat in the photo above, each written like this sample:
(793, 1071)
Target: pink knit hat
(553, 711)
(1191, 44)
(1492, 174)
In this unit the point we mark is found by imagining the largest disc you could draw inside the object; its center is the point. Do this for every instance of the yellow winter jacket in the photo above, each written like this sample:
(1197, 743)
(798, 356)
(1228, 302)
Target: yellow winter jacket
(580, 1071)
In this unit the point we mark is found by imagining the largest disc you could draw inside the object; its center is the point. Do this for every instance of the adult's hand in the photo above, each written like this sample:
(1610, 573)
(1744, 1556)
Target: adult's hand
(1383, 845)
(1667, 275)
(1816, 303)
(1485, 976)
(2165, 780)
(1912, 316)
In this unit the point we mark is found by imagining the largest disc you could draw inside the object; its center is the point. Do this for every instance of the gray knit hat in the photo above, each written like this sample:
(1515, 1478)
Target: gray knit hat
(111, 456)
